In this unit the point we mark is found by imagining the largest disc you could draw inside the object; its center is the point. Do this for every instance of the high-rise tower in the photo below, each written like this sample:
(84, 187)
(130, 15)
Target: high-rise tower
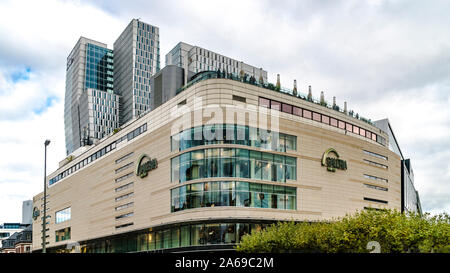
(136, 58)
(90, 106)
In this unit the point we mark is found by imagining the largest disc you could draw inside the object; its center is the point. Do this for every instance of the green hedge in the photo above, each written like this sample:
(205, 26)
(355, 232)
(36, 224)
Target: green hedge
(393, 231)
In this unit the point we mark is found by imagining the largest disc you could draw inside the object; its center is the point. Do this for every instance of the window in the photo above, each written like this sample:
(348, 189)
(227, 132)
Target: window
(325, 119)
(233, 194)
(124, 177)
(124, 216)
(83, 163)
(242, 163)
(255, 164)
(341, 124)
(231, 162)
(375, 155)
(374, 137)
(334, 122)
(316, 116)
(375, 164)
(362, 132)
(129, 165)
(124, 157)
(348, 127)
(62, 234)
(212, 162)
(239, 98)
(124, 206)
(275, 105)
(375, 200)
(381, 140)
(356, 130)
(124, 196)
(307, 114)
(291, 142)
(297, 111)
(287, 108)
(291, 168)
(375, 178)
(124, 187)
(4, 234)
(62, 215)
(376, 187)
(124, 225)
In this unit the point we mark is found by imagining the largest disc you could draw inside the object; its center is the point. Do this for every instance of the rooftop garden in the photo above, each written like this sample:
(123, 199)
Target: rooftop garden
(245, 78)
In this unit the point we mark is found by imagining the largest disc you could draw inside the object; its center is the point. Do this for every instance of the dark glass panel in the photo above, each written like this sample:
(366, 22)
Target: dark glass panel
(275, 105)
(316, 117)
(297, 111)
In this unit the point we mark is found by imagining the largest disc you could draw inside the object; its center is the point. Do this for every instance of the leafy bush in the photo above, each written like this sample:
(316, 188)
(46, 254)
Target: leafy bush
(394, 231)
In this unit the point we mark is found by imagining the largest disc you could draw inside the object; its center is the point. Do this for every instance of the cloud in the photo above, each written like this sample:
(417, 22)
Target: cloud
(33, 54)
(385, 58)
(22, 163)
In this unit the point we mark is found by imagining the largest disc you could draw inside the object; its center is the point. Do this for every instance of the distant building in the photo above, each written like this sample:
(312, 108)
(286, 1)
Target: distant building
(197, 59)
(106, 88)
(27, 211)
(90, 105)
(8, 229)
(409, 196)
(165, 84)
(19, 242)
(136, 58)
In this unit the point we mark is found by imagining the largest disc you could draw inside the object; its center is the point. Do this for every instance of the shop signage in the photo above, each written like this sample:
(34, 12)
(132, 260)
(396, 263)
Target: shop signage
(333, 163)
(143, 168)
(35, 213)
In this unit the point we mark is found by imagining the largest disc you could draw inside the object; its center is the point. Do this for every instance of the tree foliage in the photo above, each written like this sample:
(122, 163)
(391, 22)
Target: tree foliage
(395, 232)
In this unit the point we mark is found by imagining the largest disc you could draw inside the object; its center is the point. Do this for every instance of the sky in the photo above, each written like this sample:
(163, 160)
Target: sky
(387, 59)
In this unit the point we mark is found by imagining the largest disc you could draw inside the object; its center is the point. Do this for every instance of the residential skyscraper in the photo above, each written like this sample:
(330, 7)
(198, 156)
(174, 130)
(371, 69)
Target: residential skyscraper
(197, 59)
(89, 67)
(136, 57)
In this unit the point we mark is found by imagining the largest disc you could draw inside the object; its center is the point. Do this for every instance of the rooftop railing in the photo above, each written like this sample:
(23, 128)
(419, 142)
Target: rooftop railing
(205, 75)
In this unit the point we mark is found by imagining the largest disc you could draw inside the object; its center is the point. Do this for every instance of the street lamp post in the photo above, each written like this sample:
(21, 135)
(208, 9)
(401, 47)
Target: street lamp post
(47, 142)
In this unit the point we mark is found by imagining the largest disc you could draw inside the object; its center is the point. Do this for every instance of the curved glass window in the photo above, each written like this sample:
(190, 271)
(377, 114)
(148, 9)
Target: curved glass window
(171, 236)
(233, 194)
(233, 162)
(233, 134)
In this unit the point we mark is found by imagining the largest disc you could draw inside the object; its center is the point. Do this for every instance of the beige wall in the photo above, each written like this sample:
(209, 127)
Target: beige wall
(321, 195)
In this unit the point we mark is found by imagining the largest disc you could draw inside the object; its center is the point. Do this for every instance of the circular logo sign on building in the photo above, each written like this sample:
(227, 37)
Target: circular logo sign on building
(143, 168)
(36, 213)
(333, 163)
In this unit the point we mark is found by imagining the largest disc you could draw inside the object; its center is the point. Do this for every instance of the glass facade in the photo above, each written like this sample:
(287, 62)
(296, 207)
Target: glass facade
(233, 194)
(99, 68)
(146, 64)
(233, 162)
(90, 67)
(214, 234)
(63, 215)
(102, 114)
(233, 134)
